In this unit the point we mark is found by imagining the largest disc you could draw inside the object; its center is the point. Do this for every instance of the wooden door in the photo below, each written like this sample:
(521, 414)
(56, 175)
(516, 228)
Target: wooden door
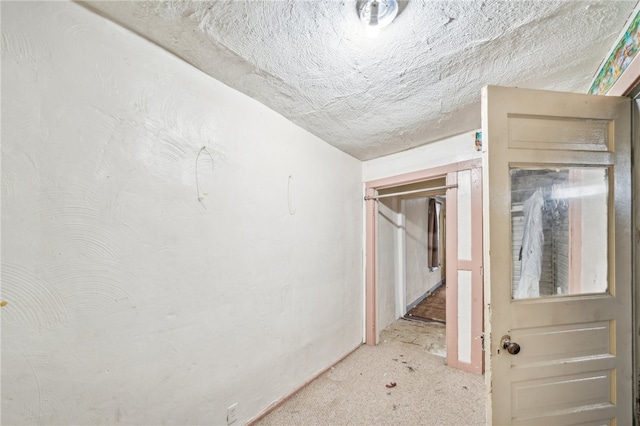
(558, 299)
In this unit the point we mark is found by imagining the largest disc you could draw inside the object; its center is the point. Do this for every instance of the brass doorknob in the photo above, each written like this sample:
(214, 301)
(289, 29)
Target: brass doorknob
(512, 347)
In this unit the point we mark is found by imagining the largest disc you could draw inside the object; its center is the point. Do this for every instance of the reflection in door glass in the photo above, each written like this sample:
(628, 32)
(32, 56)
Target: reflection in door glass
(559, 223)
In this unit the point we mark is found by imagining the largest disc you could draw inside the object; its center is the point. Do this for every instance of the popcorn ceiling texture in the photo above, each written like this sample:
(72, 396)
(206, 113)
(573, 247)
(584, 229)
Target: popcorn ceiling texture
(417, 82)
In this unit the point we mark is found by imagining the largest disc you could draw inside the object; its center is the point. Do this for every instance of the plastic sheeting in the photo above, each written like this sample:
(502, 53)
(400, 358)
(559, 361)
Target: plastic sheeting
(532, 245)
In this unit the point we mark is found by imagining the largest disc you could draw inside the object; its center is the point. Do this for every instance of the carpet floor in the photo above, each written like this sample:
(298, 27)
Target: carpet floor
(398, 382)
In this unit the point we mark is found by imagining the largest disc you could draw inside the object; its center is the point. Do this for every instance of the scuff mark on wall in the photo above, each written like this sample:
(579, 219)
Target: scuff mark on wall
(291, 196)
(202, 194)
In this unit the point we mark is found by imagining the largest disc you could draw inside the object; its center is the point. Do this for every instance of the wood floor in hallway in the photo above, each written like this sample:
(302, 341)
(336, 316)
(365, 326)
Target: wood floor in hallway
(360, 389)
(433, 307)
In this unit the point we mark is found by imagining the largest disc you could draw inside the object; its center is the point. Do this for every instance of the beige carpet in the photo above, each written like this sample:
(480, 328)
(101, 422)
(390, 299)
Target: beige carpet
(355, 391)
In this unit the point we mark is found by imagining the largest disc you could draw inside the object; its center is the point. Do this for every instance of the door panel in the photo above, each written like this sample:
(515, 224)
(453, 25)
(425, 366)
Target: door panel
(557, 133)
(557, 171)
(545, 344)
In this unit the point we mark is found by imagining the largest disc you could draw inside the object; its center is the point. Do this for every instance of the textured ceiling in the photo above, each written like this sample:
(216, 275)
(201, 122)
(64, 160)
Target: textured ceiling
(417, 82)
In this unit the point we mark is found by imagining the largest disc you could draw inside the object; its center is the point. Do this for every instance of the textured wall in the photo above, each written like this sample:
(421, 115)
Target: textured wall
(129, 300)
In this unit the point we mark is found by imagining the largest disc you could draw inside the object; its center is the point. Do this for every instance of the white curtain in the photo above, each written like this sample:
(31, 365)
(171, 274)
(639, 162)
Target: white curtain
(532, 245)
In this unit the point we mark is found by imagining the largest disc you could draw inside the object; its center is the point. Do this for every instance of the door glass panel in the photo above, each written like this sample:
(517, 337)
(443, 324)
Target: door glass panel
(559, 224)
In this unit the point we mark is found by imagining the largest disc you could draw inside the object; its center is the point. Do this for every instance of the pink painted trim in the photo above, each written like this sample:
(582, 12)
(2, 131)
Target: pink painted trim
(371, 302)
(452, 266)
(285, 398)
(475, 266)
(627, 80)
(419, 176)
(467, 265)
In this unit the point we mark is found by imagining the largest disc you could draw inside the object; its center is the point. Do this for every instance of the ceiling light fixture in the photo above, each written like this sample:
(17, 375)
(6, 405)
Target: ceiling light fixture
(376, 14)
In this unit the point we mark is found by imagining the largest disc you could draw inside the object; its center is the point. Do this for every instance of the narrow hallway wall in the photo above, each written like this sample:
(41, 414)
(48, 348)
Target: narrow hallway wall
(128, 299)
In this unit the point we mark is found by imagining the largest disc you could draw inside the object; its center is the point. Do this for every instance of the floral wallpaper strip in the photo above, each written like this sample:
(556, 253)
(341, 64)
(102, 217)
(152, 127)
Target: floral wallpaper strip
(620, 58)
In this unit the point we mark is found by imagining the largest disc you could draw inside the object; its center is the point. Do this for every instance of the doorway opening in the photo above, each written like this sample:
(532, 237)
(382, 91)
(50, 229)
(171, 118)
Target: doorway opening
(459, 187)
(411, 258)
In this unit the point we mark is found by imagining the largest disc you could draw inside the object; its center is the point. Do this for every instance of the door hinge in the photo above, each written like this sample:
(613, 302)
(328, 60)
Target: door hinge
(482, 341)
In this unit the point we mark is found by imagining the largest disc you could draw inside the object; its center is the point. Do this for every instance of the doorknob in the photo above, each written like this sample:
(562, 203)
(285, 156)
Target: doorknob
(512, 347)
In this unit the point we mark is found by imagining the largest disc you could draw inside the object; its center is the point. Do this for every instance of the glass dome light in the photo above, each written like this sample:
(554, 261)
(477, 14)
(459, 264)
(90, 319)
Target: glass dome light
(376, 14)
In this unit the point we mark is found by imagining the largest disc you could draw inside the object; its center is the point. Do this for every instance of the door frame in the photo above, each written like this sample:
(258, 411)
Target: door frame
(452, 263)
(635, 252)
(628, 84)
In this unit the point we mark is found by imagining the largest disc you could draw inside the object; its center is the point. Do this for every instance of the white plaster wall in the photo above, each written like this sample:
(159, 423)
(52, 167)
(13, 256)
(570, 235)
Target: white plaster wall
(465, 250)
(441, 153)
(465, 214)
(419, 278)
(464, 316)
(128, 300)
(387, 262)
(401, 266)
